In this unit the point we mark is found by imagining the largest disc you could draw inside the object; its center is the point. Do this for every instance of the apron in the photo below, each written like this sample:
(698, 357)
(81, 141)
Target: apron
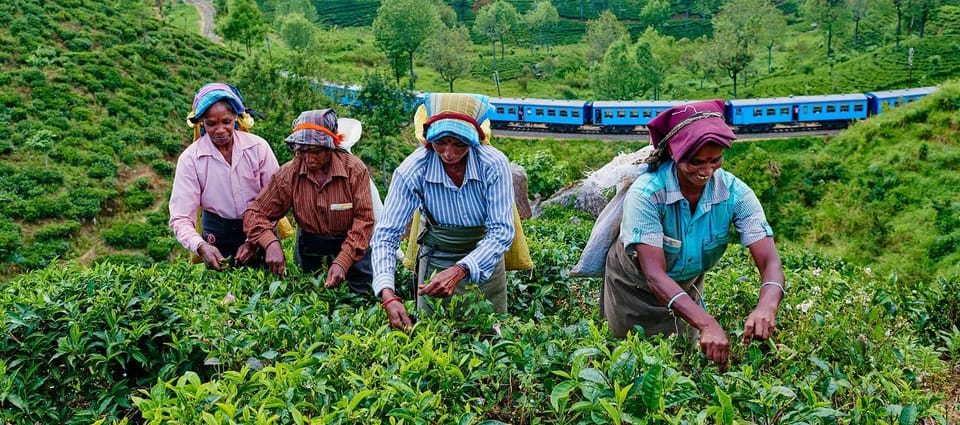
(224, 233)
(312, 252)
(626, 300)
(440, 248)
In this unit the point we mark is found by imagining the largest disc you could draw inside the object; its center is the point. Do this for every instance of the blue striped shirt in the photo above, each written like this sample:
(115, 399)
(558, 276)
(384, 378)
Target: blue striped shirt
(484, 199)
(655, 213)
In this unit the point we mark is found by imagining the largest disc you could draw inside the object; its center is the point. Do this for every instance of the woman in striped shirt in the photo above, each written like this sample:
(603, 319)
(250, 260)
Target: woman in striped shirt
(329, 191)
(464, 191)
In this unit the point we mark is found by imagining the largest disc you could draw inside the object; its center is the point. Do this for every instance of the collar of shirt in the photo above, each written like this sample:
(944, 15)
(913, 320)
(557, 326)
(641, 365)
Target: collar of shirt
(436, 174)
(205, 147)
(714, 193)
(337, 167)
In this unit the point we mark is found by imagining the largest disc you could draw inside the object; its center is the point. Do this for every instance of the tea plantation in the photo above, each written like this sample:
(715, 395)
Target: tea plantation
(105, 321)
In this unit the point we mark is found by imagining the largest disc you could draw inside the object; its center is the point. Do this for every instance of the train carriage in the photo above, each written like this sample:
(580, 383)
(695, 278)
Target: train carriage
(881, 101)
(796, 112)
(538, 114)
(619, 116)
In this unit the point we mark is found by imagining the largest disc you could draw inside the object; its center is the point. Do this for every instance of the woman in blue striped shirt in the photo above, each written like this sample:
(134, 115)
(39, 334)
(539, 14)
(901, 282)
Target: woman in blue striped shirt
(464, 191)
(676, 226)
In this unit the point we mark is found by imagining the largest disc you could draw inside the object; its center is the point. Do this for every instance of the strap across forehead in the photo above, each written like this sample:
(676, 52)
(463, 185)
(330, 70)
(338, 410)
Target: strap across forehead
(458, 116)
(337, 138)
(695, 117)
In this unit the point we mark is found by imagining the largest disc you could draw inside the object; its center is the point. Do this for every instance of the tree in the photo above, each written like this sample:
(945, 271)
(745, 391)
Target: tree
(828, 14)
(494, 21)
(774, 26)
(540, 20)
(600, 34)
(297, 31)
(736, 33)
(383, 108)
(445, 53)
(243, 23)
(655, 13)
(858, 10)
(656, 55)
(401, 26)
(619, 76)
(304, 8)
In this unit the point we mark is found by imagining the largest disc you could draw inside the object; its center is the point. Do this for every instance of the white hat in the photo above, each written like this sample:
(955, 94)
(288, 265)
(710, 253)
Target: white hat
(351, 129)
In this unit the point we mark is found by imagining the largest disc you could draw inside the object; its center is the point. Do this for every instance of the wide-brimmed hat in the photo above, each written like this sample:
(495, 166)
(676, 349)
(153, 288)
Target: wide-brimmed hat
(687, 127)
(461, 115)
(315, 128)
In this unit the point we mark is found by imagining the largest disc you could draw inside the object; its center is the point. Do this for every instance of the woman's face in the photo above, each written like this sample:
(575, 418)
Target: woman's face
(451, 150)
(697, 170)
(316, 157)
(219, 121)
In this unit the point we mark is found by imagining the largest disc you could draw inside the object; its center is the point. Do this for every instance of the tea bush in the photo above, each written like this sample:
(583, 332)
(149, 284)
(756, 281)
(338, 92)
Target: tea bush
(130, 235)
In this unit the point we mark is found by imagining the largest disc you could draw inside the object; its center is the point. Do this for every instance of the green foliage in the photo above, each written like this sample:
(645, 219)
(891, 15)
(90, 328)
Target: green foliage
(130, 235)
(11, 238)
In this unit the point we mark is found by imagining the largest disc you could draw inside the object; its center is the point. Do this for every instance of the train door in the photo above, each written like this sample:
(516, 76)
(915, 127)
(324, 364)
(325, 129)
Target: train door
(520, 113)
(795, 113)
(598, 118)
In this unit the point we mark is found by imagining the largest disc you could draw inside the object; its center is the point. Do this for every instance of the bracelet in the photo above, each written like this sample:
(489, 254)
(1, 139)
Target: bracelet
(778, 285)
(390, 300)
(679, 294)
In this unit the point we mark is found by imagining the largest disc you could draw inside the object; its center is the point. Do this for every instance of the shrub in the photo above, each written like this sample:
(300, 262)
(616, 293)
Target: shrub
(57, 231)
(130, 235)
(11, 238)
(40, 254)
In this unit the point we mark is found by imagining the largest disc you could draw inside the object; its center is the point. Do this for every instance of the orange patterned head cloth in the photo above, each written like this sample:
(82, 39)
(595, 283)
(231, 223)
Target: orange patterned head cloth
(315, 128)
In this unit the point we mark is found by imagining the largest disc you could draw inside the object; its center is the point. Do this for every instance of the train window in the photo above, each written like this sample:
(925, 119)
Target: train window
(806, 109)
(739, 111)
(607, 113)
(647, 114)
(575, 113)
(539, 112)
(563, 113)
(845, 108)
(551, 112)
(857, 107)
(634, 113)
(910, 100)
(511, 111)
(784, 110)
(771, 111)
(499, 109)
(758, 112)
(621, 114)
(818, 109)
(831, 109)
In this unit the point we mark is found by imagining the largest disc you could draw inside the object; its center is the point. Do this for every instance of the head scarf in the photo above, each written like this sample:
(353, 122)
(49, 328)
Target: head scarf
(213, 93)
(315, 128)
(687, 128)
(460, 115)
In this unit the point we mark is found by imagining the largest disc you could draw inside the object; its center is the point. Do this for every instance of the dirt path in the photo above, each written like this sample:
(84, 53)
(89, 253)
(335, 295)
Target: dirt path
(207, 12)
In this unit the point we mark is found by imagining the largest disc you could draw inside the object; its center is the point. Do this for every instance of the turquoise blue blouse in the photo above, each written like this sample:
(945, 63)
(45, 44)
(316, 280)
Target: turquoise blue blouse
(656, 213)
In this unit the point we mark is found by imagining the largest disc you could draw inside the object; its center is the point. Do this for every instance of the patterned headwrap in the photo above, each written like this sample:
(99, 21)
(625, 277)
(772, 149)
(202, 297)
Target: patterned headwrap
(315, 128)
(686, 128)
(460, 115)
(213, 93)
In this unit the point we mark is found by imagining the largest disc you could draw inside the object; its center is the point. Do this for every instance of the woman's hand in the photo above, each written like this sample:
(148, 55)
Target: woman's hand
(246, 252)
(335, 276)
(396, 312)
(444, 283)
(211, 256)
(714, 343)
(275, 260)
(760, 325)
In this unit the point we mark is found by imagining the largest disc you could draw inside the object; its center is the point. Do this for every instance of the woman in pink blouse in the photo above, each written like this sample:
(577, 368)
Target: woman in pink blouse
(220, 173)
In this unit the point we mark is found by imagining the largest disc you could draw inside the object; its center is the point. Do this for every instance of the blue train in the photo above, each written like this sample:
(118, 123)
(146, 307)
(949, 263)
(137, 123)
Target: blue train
(793, 113)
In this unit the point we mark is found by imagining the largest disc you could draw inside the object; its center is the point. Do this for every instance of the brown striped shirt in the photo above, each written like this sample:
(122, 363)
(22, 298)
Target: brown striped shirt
(336, 206)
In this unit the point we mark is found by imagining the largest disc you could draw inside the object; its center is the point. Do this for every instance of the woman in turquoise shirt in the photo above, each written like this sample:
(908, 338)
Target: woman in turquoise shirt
(676, 226)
